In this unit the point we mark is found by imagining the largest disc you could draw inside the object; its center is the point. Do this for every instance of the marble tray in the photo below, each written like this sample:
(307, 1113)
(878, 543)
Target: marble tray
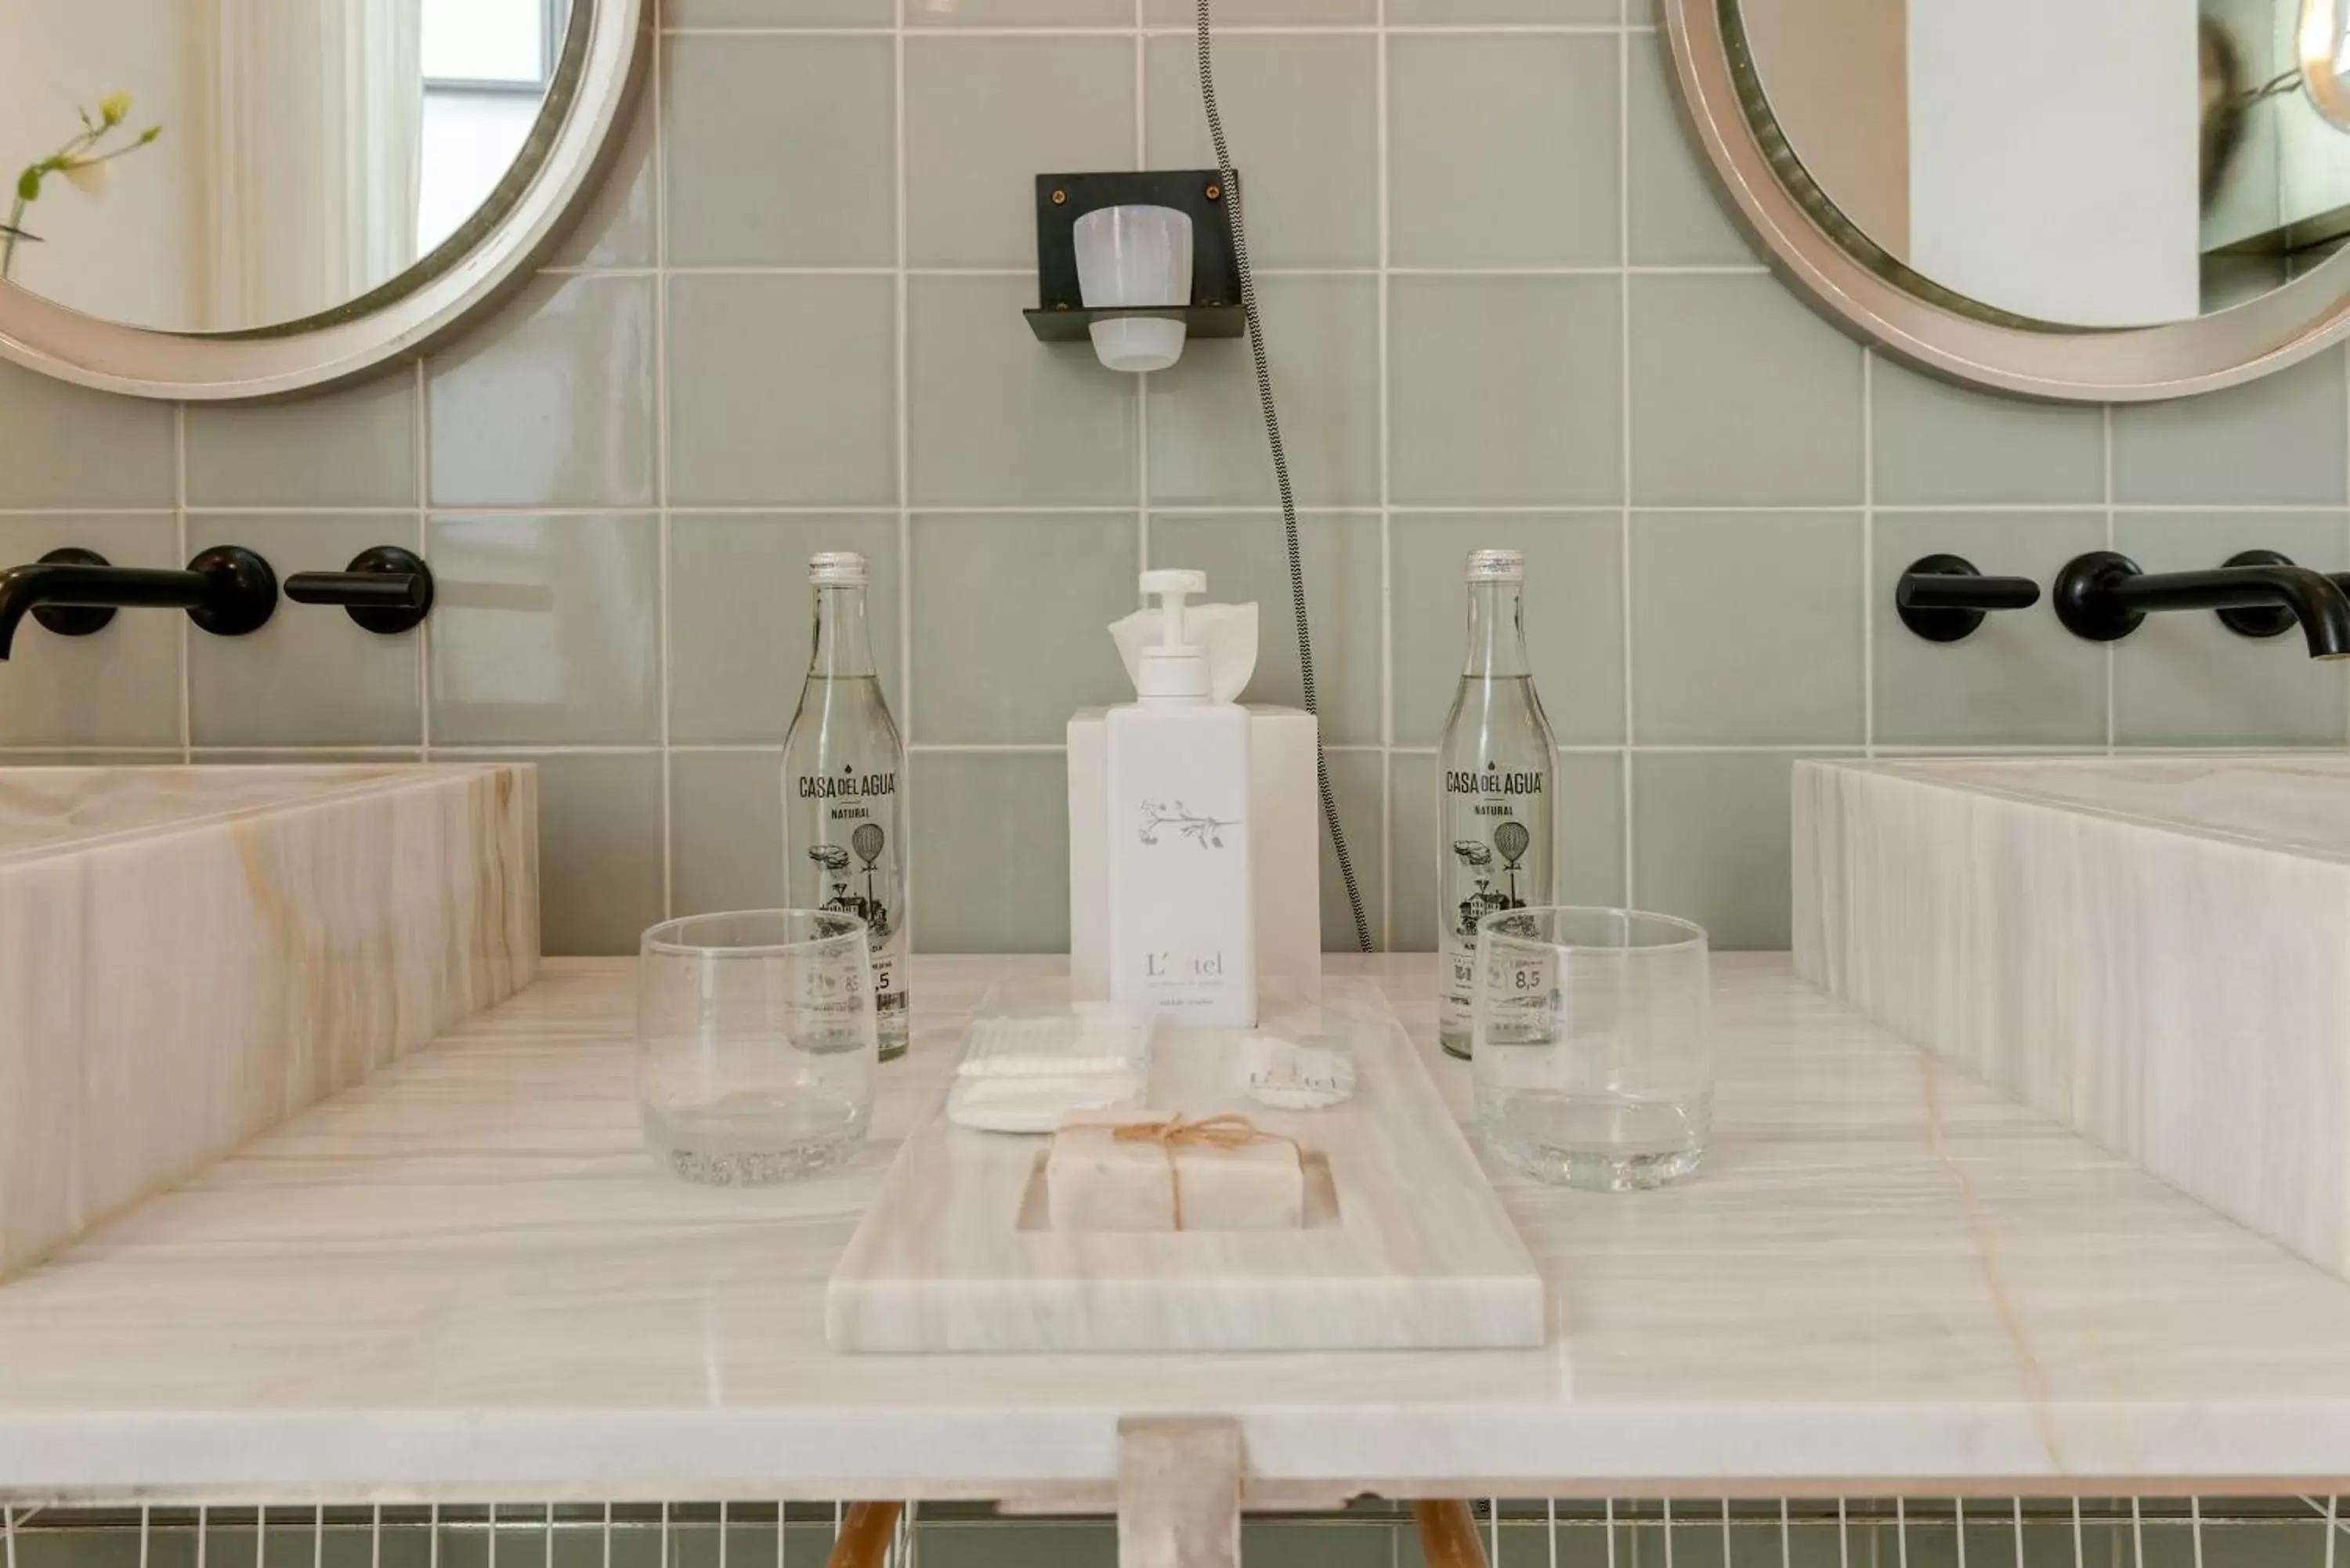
(1405, 1244)
(188, 956)
(2150, 949)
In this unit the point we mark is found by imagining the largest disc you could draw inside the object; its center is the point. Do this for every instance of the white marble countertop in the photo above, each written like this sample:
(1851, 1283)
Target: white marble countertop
(463, 1280)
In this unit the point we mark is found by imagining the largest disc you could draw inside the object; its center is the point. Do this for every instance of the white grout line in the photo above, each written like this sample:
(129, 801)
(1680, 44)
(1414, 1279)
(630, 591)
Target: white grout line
(1383, 155)
(902, 284)
(664, 617)
(1174, 29)
(420, 476)
(2112, 648)
(1625, 776)
(180, 518)
(1868, 563)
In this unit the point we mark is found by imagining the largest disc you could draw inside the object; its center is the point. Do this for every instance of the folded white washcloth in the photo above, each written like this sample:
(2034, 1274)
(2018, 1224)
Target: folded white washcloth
(1092, 1037)
(1027, 1103)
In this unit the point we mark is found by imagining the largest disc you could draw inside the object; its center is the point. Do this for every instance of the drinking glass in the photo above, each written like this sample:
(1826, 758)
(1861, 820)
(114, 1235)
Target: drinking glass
(1591, 1046)
(755, 1043)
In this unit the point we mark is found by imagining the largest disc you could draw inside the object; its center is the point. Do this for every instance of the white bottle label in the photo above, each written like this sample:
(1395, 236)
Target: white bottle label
(1182, 931)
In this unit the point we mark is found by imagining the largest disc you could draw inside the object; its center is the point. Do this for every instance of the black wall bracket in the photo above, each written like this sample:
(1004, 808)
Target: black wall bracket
(1061, 316)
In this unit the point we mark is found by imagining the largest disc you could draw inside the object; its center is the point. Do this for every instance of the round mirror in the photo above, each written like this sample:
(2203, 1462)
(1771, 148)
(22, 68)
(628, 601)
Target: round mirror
(237, 198)
(2109, 199)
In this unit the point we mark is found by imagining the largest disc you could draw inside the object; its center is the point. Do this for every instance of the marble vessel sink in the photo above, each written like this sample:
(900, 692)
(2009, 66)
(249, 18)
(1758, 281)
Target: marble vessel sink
(189, 955)
(2154, 950)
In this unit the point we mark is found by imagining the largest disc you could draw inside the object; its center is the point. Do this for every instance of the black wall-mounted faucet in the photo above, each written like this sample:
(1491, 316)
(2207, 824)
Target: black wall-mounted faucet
(385, 589)
(227, 590)
(1943, 598)
(2104, 597)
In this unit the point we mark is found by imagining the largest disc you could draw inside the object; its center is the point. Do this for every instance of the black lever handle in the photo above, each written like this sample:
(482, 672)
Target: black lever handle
(1943, 598)
(386, 589)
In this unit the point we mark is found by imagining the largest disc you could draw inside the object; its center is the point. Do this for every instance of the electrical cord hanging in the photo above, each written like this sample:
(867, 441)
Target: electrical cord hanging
(1281, 476)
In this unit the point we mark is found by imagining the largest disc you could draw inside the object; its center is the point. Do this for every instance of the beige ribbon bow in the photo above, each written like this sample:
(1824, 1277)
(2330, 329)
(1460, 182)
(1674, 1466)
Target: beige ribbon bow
(1229, 1131)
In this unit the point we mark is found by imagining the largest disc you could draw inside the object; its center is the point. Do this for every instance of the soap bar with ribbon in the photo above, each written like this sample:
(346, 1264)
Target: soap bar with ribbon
(1214, 1173)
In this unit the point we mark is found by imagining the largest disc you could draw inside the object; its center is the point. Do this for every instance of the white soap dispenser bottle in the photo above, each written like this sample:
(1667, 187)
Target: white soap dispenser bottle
(1183, 929)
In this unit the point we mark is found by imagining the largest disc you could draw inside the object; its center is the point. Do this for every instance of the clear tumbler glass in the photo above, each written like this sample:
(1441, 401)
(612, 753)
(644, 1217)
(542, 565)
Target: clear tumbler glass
(755, 1043)
(1592, 1045)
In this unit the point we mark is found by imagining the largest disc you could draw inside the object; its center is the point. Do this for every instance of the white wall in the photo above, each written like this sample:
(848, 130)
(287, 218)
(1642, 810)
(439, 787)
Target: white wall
(131, 253)
(2052, 156)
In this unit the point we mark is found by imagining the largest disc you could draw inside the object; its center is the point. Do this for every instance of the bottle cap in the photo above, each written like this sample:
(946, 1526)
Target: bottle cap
(838, 569)
(1497, 566)
(1173, 667)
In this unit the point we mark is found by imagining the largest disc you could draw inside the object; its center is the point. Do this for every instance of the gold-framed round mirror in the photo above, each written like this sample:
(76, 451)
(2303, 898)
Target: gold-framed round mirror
(224, 199)
(2098, 200)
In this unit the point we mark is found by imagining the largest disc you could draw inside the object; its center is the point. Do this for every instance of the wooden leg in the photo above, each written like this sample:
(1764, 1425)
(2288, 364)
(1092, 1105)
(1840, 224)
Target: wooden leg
(1448, 1534)
(865, 1532)
(1178, 1494)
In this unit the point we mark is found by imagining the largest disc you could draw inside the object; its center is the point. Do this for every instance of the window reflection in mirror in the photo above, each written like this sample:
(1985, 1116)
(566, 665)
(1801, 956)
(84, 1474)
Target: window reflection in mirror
(304, 152)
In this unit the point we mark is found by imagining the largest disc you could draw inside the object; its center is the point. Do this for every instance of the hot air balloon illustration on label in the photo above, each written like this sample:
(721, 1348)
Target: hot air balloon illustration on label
(1511, 838)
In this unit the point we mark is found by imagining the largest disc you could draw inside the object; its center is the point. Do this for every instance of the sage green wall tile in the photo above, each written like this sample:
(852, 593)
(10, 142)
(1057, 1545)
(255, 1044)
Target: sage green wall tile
(2278, 440)
(742, 616)
(2019, 678)
(1470, 12)
(1245, 558)
(2182, 678)
(807, 123)
(616, 227)
(779, 13)
(1206, 427)
(991, 866)
(726, 834)
(599, 850)
(79, 1548)
(120, 685)
(350, 448)
(1573, 612)
(1677, 219)
(547, 629)
(985, 115)
(1317, 1543)
(1941, 444)
(1740, 396)
(1358, 782)
(1709, 834)
(1746, 627)
(1989, 1535)
(1698, 1537)
(1590, 838)
(1306, 106)
(550, 403)
(782, 391)
(311, 676)
(1306, 13)
(1061, 1544)
(2270, 1543)
(996, 418)
(1503, 150)
(1506, 392)
(1019, 13)
(63, 445)
(997, 662)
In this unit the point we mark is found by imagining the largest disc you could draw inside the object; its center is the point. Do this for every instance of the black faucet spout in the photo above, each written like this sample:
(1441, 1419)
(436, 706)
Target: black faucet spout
(2105, 596)
(72, 592)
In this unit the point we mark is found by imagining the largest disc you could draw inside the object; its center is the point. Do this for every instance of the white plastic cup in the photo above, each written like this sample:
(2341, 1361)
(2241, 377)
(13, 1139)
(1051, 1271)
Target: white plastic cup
(1135, 256)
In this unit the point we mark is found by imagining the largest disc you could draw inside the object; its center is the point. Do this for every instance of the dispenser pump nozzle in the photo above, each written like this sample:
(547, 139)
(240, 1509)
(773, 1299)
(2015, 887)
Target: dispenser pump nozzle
(1175, 670)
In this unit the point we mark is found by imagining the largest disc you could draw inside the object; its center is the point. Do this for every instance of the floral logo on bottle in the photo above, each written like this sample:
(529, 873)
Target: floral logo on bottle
(1207, 832)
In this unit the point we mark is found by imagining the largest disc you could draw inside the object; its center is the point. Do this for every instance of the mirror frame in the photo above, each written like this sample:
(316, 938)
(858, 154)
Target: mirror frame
(1862, 291)
(571, 148)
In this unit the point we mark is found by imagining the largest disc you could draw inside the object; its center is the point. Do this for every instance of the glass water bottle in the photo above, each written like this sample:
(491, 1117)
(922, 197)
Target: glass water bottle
(1497, 767)
(844, 809)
